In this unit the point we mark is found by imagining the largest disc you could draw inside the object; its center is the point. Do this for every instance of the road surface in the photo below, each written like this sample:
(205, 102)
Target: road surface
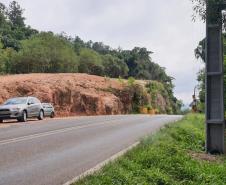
(52, 152)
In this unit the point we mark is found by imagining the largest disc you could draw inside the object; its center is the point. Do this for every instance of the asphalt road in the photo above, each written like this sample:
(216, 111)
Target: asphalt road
(52, 152)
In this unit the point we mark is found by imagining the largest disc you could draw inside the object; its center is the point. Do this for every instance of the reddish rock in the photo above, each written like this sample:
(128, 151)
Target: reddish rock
(71, 94)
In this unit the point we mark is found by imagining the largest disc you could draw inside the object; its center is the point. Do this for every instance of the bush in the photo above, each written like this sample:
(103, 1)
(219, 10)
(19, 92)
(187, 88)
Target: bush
(131, 81)
(140, 97)
(149, 107)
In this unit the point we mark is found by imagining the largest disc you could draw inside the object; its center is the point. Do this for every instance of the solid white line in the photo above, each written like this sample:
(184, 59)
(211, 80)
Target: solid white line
(101, 165)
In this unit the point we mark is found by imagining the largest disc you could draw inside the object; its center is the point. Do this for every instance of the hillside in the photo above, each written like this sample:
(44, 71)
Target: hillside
(25, 50)
(82, 94)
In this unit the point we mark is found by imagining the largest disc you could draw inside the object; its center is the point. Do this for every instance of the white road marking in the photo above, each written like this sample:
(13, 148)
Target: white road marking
(33, 136)
(101, 165)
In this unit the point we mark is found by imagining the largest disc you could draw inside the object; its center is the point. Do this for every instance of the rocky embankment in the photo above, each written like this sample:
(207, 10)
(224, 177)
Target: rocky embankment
(75, 94)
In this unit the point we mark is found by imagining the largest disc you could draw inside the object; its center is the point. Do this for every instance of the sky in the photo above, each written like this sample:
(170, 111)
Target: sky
(162, 26)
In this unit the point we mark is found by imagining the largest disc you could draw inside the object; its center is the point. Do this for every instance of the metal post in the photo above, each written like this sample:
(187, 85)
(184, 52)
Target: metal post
(214, 81)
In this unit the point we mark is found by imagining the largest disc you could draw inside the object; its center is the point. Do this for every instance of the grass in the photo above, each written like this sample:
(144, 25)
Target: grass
(175, 155)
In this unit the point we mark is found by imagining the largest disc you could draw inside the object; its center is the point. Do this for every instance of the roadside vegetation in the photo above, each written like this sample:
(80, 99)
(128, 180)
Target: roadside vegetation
(27, 50)
(149, 98)
(175, 155)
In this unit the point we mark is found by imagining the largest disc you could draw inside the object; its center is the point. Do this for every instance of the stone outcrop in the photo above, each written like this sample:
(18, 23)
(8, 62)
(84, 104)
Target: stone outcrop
(81, 94)
(71, 94)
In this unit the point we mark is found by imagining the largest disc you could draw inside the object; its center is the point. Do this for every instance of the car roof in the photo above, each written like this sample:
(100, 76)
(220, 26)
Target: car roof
(19, 97)
(24, 97)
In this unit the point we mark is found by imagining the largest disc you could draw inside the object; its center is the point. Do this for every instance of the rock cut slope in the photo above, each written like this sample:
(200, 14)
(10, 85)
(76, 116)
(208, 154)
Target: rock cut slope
(83, 94)
(71, 94)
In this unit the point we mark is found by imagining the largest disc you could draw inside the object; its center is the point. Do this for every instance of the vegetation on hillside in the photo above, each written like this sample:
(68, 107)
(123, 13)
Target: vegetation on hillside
(151, 97)
(26, 50)
(173, 156)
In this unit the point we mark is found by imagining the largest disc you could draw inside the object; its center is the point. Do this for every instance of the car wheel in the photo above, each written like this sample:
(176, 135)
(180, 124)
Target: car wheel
(52, 115)
(41, 115)
(1, 121)
(23, 117)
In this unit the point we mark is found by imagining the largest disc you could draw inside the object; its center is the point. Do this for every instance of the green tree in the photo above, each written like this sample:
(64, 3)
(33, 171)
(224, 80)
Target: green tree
(2, 14)
(114, 67)
(12, 26)
(199, 9)
(200, 50)
(6, 59)
(78, 44)
(90, 62)
(138, 61)
(45, 53)
(101, 48)
(15, 14)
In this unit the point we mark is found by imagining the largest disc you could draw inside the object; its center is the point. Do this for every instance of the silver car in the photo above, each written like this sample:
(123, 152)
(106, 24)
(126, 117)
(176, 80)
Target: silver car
(21, 108)
(48, 110)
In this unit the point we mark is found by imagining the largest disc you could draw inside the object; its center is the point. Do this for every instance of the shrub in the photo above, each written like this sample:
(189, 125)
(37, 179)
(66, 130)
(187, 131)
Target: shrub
(131, 81)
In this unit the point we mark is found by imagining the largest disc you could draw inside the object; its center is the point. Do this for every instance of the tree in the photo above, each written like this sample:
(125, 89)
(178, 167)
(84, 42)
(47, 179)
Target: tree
(99, 47)
(5, 59)
(12, 26)
(201, 80)
(15, 14)
(2, 60)
(78, 44)
(90, 62)
(114, 67)
(45, 52)
(137, 61)
(200, 50)
(199, 9)
(2, 14)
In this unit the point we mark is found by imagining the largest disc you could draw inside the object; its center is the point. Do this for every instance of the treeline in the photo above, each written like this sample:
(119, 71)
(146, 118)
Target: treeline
(26, 50)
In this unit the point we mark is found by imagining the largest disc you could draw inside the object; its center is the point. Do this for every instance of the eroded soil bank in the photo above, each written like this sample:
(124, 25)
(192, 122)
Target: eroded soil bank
(77, 94)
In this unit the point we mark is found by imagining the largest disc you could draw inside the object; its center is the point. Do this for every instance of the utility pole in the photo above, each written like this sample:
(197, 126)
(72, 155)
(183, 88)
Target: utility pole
(215, 123)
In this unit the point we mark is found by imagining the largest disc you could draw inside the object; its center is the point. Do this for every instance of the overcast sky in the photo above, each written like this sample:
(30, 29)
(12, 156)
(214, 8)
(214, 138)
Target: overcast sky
(163, 26)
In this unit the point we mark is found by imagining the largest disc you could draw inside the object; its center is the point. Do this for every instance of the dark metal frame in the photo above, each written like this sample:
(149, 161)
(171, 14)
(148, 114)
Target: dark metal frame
(215, 123)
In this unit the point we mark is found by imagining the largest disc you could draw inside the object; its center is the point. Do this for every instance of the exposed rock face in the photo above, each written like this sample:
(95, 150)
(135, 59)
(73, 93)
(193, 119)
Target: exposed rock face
(82, 94)
(71, 94)
(162, 102)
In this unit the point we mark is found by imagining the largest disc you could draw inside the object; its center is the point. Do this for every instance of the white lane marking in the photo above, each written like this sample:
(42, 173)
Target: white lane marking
(111, 159)
(33, 136)
(101, 165)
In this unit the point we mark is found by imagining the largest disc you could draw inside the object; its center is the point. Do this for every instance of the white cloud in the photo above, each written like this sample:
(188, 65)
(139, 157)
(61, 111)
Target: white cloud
(164, 27)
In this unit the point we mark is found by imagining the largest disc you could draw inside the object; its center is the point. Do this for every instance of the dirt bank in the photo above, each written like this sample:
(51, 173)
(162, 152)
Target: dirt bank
(80, 94)
(71, 94)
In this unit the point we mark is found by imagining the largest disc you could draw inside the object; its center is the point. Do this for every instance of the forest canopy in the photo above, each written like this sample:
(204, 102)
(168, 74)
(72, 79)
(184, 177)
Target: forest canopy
(26, 50)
